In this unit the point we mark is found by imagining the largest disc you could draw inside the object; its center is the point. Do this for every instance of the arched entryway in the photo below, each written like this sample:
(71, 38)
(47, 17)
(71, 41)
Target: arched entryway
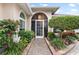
(39, 24)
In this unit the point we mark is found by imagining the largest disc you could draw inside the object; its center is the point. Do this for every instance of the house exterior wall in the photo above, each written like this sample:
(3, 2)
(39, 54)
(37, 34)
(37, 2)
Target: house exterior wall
(12, 11)
(49, 15)
(8, 11)
(29, 23)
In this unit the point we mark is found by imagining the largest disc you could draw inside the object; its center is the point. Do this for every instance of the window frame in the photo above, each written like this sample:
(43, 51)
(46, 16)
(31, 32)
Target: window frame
(23, 20)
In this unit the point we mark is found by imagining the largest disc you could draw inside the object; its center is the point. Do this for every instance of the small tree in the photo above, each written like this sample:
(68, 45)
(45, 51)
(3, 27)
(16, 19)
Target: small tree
(65, 22)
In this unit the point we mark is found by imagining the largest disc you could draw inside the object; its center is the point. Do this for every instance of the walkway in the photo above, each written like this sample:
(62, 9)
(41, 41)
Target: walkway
(75, 50)
(39, 47)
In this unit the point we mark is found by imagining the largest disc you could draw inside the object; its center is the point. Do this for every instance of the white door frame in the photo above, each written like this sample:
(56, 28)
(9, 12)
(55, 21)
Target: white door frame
(36, 29)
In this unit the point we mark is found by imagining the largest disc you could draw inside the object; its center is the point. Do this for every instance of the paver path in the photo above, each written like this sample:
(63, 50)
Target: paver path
(39, 47)
(75, 50)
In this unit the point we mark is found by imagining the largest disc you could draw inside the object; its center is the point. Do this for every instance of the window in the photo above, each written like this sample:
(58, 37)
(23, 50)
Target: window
(22, 21)
(22, 15)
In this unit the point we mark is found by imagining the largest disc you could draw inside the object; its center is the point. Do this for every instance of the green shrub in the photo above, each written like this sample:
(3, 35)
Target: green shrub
(16, 48)
(9, 25)
(58, 43)
(29, 35)
(51, 35)
(7, 28)
(23, 42)
(77, 36)
(71, 38)
(3, 38)
(26, 34)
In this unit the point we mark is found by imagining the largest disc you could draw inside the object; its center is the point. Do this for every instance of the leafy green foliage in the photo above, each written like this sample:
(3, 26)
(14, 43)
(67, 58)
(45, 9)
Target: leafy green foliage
(16, 48)
(71, 38)
(8, 25)
(57, 43)
(13, 48)
(26, 34)
(77, 36)
(51, 35)
(64, 22)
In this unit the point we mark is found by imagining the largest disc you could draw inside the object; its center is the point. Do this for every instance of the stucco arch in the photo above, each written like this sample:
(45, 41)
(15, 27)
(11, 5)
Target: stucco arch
(39, 12)
(21, 11)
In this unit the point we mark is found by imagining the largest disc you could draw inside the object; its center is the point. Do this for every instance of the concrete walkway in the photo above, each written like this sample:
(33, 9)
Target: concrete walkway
(39, 47)
(75, 50)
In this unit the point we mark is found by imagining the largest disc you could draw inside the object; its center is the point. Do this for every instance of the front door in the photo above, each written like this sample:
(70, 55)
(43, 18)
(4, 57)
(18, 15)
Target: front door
(39, 28)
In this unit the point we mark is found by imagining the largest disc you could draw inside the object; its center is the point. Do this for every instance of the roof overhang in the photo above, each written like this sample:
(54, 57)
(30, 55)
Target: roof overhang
(26, 8)
(45, 9)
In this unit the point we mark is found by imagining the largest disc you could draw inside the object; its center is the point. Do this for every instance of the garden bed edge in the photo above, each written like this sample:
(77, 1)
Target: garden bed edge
(60, 52)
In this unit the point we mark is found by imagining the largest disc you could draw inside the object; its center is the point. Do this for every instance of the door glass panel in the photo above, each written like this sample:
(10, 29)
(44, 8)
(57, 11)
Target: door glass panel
(39, 28)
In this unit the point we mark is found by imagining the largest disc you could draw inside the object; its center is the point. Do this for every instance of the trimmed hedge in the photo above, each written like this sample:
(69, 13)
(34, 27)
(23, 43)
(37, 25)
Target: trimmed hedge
(26, 34)
(65, 22)
(51, 35)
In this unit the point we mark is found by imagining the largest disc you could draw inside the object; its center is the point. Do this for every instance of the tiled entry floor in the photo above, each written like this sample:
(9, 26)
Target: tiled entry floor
(39, 47)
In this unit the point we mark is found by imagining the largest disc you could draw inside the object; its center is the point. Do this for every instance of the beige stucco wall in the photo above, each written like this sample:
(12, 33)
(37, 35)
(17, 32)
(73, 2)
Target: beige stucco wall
(0, 11)
(49, 15)
(9, 11)
(12, 11)
(28, 21)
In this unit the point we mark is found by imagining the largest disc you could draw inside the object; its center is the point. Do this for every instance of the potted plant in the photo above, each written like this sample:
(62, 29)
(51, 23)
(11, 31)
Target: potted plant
(57, 31)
